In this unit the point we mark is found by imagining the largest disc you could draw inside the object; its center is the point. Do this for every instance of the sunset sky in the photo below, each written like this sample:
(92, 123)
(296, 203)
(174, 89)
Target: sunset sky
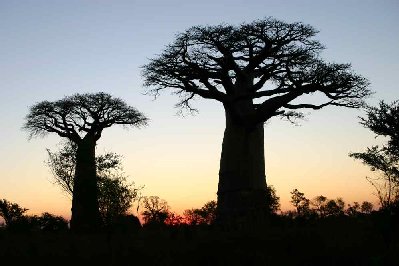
(50, 49)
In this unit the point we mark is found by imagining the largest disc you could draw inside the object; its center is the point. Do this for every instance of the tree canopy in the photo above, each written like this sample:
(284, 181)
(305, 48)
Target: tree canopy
(268, 60)
(156, 210)
(77, 115)
(10, 211)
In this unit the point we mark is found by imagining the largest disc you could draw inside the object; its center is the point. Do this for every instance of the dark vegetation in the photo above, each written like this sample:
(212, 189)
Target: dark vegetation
(255, 70)
(320, 231)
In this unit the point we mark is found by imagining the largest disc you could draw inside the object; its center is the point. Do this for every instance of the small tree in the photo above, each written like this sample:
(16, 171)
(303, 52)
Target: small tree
(115, 197)
(81, 118)
(203, 215)
(353, 209)
(300, 202)
(334, 207)
(273, 201)
(174, 219)
(156, 210)
(319, 204)
(383, 120)
(367, 207)
(256, 71)
(51, 223)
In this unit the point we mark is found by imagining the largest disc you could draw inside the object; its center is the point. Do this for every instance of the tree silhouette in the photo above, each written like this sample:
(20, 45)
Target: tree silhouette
(300, 202)
(334, 207)
(257, 71)
(11, 212)
(115, 195)
(366, 207)
(81, 118)
(50, 222)
(273, 201)
(353, 209)
(204, 215)
(319, 204)
(156, 210)
(383, 120)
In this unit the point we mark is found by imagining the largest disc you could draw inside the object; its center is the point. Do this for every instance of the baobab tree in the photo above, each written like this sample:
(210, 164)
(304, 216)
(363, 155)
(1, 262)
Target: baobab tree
(81, 118)
(257, 70)
(115, 194)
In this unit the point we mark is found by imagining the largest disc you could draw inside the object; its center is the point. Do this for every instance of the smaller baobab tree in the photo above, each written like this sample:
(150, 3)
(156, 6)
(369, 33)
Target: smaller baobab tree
(81, 118)
(115, 194)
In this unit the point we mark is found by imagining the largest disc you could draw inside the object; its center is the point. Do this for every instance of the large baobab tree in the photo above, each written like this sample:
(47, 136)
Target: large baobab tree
(81, 118)
(257, 70)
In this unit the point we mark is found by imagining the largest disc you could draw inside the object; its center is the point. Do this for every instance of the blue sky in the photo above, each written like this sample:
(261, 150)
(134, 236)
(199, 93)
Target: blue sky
(49, 49)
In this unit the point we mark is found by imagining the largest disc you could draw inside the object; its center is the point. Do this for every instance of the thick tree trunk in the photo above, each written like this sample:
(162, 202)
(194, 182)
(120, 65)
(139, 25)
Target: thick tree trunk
(242, 181)
(85, 212)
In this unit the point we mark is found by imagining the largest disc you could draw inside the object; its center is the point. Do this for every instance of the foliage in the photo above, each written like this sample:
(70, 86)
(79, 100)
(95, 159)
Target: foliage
(207, 213)
(269, 60)
(62, 165)
(383, 121)
(386, 183)
(318, 204)
(51, 223)
(300, 202)
(367, 207)
(11, 212)
(156, 210)
(325, 207)
(273, 200)
(125, 223)
(203, 215)
(174, 219)
(80, 114)
(334, 207)
(322, 207)
(354, 209)
(115, 197)
(16, 220)
(46, 222)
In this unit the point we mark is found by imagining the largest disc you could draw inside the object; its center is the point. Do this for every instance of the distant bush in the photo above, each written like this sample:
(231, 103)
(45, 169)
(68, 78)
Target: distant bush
(50, 223)
(202, 216)
(156, 211)
(11, 212)
(127, 223)
(16, 220)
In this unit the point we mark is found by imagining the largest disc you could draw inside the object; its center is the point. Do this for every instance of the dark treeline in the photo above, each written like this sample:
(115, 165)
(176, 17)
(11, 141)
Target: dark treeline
(320, 231)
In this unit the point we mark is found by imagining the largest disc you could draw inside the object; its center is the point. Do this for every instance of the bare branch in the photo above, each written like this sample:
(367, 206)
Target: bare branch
(232, 64)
